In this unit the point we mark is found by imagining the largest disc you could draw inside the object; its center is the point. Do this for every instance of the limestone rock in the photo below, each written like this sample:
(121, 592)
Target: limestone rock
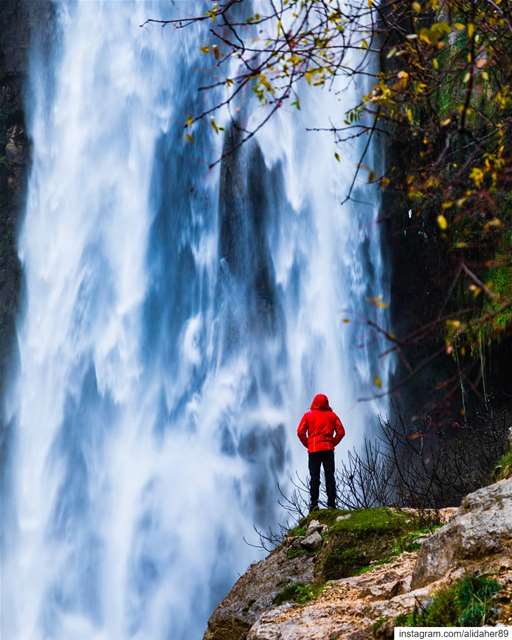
(481, 528)
(255, 591)
(314, 526)
(347, 608)
(312, 541)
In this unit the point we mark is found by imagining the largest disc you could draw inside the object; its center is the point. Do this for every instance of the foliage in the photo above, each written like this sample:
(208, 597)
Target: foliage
(298, 592)
(467, 602)
(503, 467)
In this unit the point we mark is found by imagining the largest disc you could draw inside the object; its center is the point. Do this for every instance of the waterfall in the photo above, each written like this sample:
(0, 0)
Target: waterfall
(177, 320)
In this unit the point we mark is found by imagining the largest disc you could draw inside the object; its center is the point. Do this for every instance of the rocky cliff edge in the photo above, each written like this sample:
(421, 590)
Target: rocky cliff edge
(352, 574)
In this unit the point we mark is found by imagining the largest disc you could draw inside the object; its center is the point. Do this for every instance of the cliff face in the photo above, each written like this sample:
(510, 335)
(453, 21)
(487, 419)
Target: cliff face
(368, 568)
(20, 22)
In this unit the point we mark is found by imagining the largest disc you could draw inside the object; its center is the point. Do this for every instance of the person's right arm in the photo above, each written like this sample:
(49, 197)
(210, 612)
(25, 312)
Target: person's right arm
(302, 430)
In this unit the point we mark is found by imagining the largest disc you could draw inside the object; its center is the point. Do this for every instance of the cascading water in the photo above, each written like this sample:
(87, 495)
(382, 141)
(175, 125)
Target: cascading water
(177, 322)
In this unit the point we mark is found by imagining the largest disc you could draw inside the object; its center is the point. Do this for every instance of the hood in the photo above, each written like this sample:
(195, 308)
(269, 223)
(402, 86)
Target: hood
(321, 402)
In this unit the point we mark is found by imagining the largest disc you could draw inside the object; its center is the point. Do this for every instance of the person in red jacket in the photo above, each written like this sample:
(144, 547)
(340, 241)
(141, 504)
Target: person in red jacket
(320, 430)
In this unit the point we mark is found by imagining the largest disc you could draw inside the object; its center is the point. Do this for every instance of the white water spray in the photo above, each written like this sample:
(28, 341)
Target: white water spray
(177, 323)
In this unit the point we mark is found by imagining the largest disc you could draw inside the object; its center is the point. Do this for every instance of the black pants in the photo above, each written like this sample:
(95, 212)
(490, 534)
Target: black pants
(316, 460)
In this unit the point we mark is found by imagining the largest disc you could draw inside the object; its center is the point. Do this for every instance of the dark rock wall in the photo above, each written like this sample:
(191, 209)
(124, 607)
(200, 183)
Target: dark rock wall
(20, 22)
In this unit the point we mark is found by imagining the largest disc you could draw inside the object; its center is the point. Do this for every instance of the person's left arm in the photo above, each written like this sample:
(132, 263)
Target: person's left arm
(339, 430)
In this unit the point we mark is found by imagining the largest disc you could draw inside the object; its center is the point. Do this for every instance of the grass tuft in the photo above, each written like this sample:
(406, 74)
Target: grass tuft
(298, 592)
(467, 602)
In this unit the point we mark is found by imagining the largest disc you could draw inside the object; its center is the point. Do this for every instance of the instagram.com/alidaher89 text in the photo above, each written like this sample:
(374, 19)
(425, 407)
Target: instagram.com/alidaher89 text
(422, 633)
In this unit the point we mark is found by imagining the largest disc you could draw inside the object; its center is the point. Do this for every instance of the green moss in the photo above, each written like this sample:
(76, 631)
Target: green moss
(297, 553)
(366, 522)
(378, 624)
(361, 540)
(298, 592)
(468, 602)
(366, 538)
(325, 516)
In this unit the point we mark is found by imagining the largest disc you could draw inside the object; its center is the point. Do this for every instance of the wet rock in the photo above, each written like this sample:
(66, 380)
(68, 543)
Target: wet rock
(15, 149)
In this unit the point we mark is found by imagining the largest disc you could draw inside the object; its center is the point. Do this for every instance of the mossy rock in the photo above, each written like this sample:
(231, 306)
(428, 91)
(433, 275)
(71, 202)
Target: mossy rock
(363, 538)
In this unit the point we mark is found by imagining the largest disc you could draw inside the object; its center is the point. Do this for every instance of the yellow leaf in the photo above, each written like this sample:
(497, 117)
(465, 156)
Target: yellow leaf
(476, 291)
(377, 381)
(477, 175)
(467, 77)
(495, 222)
(364, 44)
(435, 63)
(205, 49)
(425, 36)
(189, 121)
(442, 222)
(337, 156)
(445, 122)
(378, 302)
(459, 26)
(264, 81)
(416, 7)
(470, 29)
(189, 137)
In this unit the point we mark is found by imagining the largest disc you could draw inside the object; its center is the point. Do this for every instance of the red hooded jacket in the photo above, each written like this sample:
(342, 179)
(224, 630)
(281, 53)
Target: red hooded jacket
(320, 428)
